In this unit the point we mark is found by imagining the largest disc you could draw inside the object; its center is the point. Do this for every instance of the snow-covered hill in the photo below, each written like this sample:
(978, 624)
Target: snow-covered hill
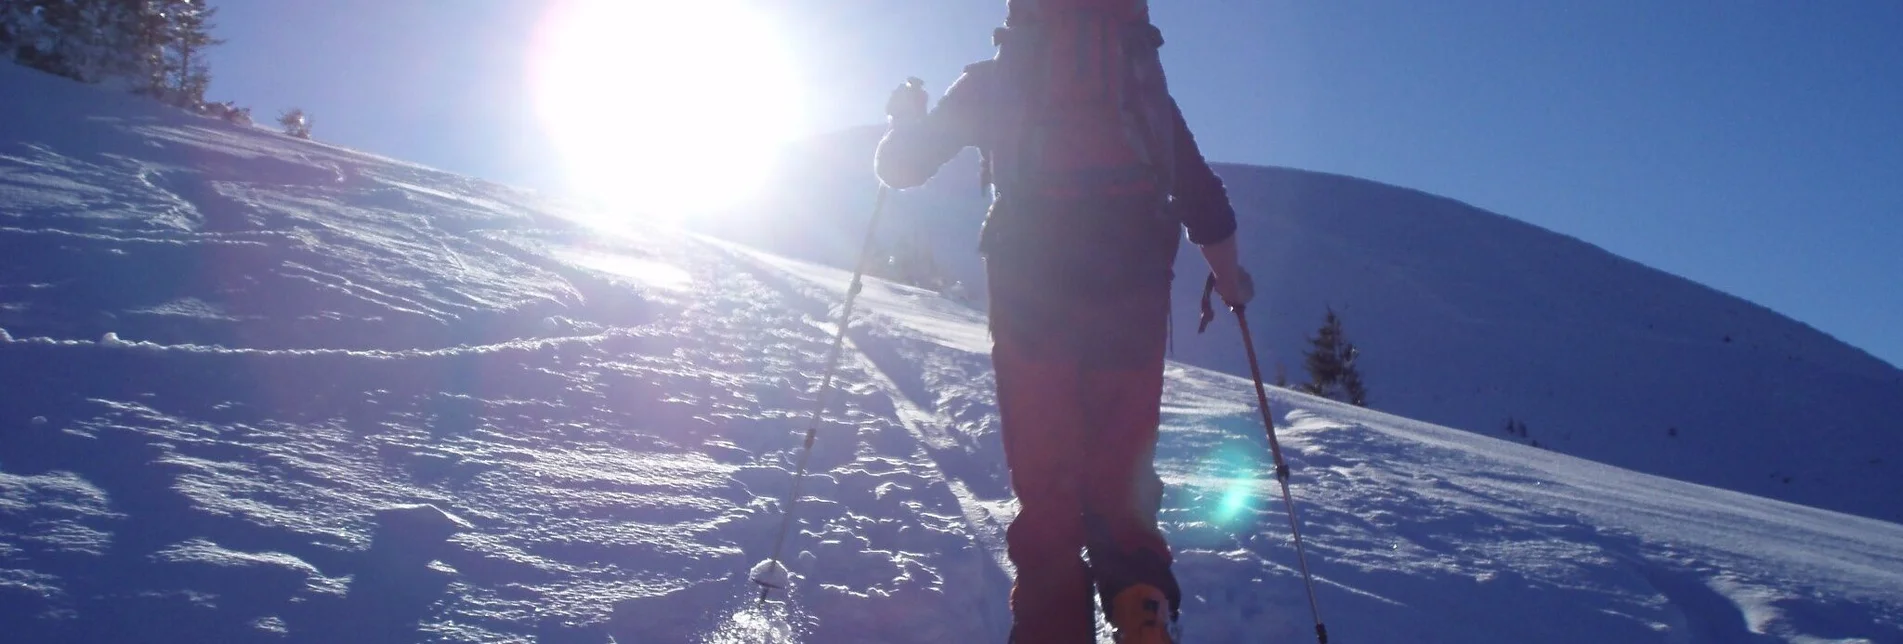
(345, 398)
(1465, 318)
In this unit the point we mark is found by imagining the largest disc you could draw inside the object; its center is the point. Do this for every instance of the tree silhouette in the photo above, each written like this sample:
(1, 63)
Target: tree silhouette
(1331, 362)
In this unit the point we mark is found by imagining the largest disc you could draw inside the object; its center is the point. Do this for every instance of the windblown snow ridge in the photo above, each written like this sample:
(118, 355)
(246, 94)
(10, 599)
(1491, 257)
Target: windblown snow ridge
(527, 345)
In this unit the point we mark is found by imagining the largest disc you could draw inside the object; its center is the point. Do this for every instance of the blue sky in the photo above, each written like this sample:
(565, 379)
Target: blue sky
(1754, 146)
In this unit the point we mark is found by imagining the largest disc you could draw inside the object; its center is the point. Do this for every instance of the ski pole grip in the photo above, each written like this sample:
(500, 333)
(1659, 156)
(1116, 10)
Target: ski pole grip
(1209, 312)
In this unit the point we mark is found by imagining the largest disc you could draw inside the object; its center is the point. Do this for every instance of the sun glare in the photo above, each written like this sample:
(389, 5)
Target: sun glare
(664, 109)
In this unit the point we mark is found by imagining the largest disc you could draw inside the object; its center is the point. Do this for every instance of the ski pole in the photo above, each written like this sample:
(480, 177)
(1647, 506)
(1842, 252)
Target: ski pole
(771, 573)
(1275, 448)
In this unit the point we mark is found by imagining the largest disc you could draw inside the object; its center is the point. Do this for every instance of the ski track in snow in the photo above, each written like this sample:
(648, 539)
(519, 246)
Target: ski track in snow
(350, 399)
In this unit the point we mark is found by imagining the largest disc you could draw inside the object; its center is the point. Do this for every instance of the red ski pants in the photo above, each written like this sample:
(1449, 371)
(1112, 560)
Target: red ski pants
(1080, 439)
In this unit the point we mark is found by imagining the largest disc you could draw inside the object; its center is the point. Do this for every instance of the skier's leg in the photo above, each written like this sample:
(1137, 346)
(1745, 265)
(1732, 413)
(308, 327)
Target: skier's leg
(1122, 492)
(1043, 429)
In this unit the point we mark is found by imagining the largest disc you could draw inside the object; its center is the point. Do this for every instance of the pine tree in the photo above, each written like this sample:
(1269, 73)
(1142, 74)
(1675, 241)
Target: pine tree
(94, 41)
(10, 22)
(145, 33)
(151, 47)
(50, 35)
(86, 40)
(1331, 364)
(296, 123)
(1324, 369)
(1515, 428)
(185, 66)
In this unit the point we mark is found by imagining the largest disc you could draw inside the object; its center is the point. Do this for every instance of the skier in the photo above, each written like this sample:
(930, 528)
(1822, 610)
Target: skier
(1094, 177)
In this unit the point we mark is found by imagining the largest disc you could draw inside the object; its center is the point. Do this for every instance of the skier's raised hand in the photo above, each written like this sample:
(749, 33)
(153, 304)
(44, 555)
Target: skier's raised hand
(907, 104)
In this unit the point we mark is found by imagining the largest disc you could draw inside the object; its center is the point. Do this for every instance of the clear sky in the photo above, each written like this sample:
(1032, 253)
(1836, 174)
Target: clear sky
(1755, 146)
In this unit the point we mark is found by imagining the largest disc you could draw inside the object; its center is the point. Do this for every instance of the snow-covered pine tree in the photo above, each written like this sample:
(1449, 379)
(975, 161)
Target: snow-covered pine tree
(152, 47)
(8, 26)
(191, 36)
(47, 35)
(296, 123)
(87, 40)
(142, 32)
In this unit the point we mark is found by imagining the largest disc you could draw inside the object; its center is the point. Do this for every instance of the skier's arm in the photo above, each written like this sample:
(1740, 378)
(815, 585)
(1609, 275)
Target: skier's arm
(1202, 202)
(1200, 199)
(914, 150)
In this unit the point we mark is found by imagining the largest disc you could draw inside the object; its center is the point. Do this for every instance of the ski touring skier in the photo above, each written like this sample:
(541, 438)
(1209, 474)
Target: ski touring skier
(1094, 177)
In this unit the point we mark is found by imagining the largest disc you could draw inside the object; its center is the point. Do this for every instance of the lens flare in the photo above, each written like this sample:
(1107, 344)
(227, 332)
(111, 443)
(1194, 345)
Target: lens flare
(1233, 475)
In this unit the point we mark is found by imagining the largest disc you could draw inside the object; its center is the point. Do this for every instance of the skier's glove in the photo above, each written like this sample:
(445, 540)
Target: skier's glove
(907, 104)
(1239, 291)
(1236, 295)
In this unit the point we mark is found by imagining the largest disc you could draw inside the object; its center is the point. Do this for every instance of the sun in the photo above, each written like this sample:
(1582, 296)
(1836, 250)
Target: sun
(664, 109)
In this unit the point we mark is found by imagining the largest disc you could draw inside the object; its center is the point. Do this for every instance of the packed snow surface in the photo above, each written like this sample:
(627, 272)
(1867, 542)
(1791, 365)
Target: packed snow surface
(254, 389)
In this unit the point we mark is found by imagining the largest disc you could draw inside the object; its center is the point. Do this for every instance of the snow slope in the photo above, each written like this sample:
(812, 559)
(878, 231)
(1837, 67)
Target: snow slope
(1465, 318)
(255, 389)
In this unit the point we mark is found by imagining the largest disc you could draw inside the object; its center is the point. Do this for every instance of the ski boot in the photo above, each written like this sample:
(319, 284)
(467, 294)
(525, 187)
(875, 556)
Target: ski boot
(1140, 614)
